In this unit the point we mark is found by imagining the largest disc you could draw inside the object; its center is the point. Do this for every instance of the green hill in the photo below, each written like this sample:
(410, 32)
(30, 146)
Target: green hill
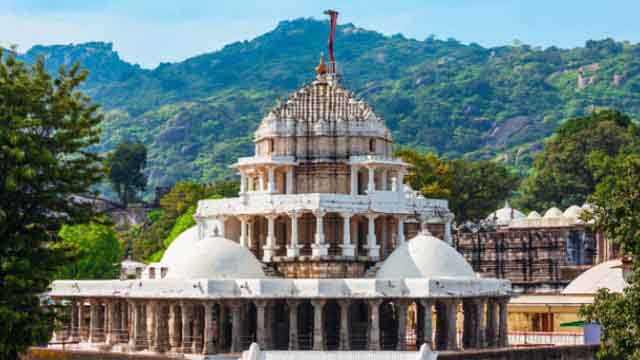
(196, 116)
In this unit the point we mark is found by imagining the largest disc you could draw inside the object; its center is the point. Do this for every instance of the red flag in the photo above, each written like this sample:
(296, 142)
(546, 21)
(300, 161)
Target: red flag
(334, 21)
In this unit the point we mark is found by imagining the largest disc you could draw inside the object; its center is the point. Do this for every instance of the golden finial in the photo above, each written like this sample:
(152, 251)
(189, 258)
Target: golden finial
(321, 69)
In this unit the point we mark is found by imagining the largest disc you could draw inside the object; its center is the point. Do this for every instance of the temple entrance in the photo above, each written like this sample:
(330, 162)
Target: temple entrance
(358, 325)
(280, 326)
(331, 325)
(388, 326)
(305, 326)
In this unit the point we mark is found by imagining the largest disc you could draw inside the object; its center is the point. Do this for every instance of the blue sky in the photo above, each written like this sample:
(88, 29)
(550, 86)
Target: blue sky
(148, 32)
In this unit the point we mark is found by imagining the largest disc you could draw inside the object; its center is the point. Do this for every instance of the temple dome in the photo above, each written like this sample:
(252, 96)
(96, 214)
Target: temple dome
(425, 256)
(209, 258)
(505, 215)
(606, 275)
(534, 215)
(554, 212)
(573, 211)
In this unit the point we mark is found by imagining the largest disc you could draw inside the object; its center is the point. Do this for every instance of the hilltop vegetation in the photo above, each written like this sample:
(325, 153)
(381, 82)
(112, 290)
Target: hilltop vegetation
(197, 116)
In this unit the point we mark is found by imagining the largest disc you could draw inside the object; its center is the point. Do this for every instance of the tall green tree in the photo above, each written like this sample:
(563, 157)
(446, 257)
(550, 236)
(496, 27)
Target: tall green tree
(46, 127)
(616, 210)
(560, 176)
(97, 252)
(126, 170)
(473, 188)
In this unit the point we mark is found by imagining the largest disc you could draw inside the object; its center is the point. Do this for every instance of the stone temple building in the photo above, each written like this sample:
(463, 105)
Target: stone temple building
(312, 254)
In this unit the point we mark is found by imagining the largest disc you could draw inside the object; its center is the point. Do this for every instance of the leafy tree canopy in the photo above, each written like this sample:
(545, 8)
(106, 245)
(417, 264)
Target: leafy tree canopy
(126, 165)
(473, 188)
(560, 176)
(97, 252)
(46, 126)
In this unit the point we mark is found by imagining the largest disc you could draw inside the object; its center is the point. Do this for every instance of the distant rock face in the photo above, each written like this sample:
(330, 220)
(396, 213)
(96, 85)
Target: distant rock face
(501, 132)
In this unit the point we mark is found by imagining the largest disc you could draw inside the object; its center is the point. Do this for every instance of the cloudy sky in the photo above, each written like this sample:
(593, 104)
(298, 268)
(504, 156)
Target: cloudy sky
(148, 32)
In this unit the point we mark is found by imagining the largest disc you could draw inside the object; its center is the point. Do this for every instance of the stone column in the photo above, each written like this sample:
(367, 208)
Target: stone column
(261, 181)
(371, 186)
(427, 318)
(207, 347)
(345, 341)
(290, 182)
(383, 180)
(400, 230)
(447, 230)
(348, 249)
(293, 250)
(402, 324)
(354, 180)
(134, 325)
(173, 327)
(75, 324)
(319, 248)
(152, 320)
(503, 335)
(250, 184)
(124, 321)
(452, 324)
(243, 230)
(197, 330)
(261, 331)
(271, 181)
(293, 324)
(82, 328)
(111, 324)
(236, 331)
(492, 323)
(400, 181)
(318, 324)
(243, 182)
(372, 246)
(270, 246)
(481, 340)
(187, 338)
(470, 326)
(94, 321)
(160, 330)
(374, 324)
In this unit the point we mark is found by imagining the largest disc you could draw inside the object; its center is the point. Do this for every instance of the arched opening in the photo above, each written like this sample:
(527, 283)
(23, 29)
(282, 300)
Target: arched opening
(280, 326)
(388, 326)
(249, 324)
(305, 326)
(358, 325)
(282, 233)
(372, 146)
(306, 233)
(331, 316)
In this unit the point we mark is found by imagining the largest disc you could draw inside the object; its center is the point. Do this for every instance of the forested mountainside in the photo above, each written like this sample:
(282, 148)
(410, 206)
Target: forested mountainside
(198, 115)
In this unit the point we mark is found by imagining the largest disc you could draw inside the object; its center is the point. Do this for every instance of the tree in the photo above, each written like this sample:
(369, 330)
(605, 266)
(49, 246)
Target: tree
(97, 252)
(46, 126)
(560, 176)
(616, 211)
(126, 165)
(473, 188)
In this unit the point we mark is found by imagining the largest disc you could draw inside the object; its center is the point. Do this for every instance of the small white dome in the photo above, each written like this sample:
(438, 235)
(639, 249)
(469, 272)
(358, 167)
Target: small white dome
(573, 211)
(505, 215)
(425, 256)
(534, 215)
(554, 212)
(606, 275)
(210, 258)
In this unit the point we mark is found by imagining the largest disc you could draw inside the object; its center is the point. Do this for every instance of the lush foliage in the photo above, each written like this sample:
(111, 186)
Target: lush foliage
(126, 164)
(97, 252)
(46, 126)
(197, 116)
(560, 175)
(473, 188)
(617, 212)
(177, 209)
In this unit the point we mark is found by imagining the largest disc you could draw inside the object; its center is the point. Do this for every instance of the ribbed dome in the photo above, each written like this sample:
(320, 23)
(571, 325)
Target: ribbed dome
(606, 275)
(505, 215)
(573, 211)
(554, 212)
(210, 258)
(534, 215)
(425, 256)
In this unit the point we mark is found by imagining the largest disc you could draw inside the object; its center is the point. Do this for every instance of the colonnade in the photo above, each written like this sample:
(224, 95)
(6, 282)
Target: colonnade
(220, 326)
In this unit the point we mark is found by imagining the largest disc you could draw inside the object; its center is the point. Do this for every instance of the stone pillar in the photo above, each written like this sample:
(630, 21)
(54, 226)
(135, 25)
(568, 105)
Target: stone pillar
(75, 323)
(402, 324)
(152, 320)
(124, 321)
(492, 323)
(137, 341)
(270, 246)
(243, 183)
(452, 324)
(400, 230)
(372, 242)
(503, 335)
(243, 230)
(293, 250)
(207, 347)
(186, 312)
(371, 186)
(447, 230)
(383, 180)
(134, 323)
(318, 324)
(197, 330)
(470, 326)
(319, 248)
(261, 330)
(250, 184)
(94, 321)
(345, 341)
(236, 331)
(111, 324)
(261, 181)
(348, 249)
(290, 182)
(293, 324)
(160, 330)
(271, 181)
(250, 233)
(354, 180)
(427, 322)
(374, 324)
(173, 328)
(400, 181)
